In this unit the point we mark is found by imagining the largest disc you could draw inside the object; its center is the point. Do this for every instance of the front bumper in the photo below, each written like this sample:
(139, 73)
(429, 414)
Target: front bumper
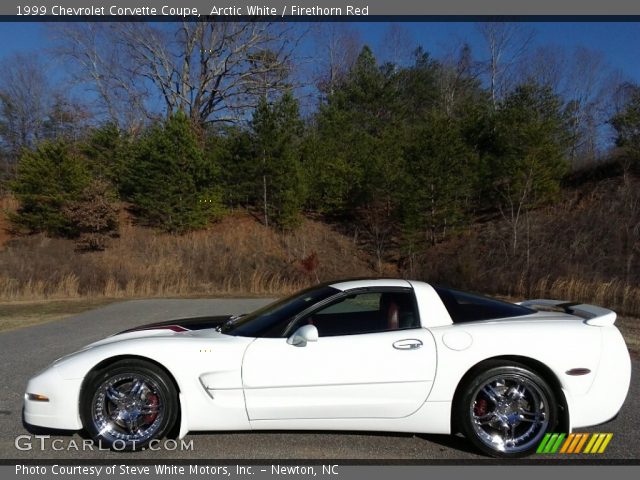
(62, 409)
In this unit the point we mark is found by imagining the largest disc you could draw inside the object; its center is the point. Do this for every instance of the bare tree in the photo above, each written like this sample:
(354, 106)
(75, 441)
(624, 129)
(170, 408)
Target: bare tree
(506, 44)
(24, 102)
(338, 47)
(208, 70)
(97, 62)
(588, 85)
(546, 65)
(584, 80)
(397, 45)
(33, 108)
(378, 224)
(457, 77)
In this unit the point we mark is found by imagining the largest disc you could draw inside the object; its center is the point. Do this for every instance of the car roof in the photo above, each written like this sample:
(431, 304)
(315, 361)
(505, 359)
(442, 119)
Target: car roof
(370, 282)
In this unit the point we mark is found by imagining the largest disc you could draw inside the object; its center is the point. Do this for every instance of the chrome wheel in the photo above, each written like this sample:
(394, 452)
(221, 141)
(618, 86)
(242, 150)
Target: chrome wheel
(509, 412)
(128, 407)
(129, 403)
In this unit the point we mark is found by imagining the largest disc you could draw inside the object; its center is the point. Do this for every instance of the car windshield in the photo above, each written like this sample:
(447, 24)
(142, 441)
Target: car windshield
(271, 320)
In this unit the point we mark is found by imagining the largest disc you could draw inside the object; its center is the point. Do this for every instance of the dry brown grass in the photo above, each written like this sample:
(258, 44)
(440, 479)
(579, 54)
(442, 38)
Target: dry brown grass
(615, 294)
(237, 256)
(23, 314)
(8, 204)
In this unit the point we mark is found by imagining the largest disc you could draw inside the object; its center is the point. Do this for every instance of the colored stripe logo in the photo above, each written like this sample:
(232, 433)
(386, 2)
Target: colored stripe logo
(574, 443)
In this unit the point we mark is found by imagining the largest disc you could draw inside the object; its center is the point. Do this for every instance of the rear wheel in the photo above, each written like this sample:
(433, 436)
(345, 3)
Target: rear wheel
(506, 409)
(128, 404)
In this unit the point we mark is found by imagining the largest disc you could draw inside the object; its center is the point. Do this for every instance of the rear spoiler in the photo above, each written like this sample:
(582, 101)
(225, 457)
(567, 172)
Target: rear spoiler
(593, 315)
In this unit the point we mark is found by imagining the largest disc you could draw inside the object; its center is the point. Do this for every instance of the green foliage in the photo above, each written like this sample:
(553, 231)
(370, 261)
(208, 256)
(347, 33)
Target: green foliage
(329, 174)
(627, 125)
(170, 182)
(276, 136)
(240, 174)
(527, 156)
(47, 179)
(108, 152)
(438, 181)
(419, 92)
(402, 155)
(358, 155)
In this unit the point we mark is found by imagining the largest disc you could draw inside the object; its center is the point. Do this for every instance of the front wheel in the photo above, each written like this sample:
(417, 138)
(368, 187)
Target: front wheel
(128, 404)
(506, 409)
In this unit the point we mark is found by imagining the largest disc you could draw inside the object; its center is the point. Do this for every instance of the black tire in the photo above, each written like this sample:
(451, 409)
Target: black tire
(128, 404)
(505, 408)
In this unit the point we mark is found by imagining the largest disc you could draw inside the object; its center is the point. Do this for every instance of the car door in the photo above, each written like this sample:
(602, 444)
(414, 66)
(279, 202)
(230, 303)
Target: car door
(372, 360)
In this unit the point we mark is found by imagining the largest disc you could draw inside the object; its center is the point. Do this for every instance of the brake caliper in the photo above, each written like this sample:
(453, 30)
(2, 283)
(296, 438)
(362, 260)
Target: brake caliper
(152, 403)
(480, 408)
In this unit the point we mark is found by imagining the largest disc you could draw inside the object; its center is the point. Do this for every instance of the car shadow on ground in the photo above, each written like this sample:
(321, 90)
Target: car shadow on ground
(445, 442)
(453, 442)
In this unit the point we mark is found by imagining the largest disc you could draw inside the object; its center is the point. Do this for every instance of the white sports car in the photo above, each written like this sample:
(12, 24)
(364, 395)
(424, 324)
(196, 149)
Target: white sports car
(383, 355)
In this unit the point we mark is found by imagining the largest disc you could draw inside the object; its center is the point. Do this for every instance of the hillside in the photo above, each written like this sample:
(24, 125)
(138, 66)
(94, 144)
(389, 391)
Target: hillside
(584, 246)
(236, 256)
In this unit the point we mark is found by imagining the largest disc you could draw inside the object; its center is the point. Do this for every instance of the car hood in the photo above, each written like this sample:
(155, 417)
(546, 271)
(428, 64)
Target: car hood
(174, 344)
(181, 325)
(184, 327)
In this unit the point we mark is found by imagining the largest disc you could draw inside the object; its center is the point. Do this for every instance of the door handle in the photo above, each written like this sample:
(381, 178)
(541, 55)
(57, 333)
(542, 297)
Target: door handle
(408, 344)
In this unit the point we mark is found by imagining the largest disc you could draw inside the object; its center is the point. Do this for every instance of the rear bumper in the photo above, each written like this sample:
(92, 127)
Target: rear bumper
(607, 393)
(61, 411)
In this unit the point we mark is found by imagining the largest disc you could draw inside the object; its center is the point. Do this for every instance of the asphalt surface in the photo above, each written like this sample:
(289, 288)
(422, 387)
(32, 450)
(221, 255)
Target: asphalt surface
(27, 350)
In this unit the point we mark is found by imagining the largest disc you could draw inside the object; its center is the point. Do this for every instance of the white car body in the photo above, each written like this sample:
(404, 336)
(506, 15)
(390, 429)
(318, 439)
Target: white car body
(356, 382)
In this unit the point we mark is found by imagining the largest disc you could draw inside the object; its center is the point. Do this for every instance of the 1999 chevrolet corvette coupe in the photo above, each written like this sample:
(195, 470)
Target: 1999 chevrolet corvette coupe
(383, 355)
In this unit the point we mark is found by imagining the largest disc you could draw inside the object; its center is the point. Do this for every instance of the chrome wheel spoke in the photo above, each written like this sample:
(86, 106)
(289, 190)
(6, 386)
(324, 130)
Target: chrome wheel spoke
(516, 416)
(114, 395)
(133, 424)
(136, 388)
(516, 392)
(488, 419)
(128, 407)
(491, 393)
(532, 417)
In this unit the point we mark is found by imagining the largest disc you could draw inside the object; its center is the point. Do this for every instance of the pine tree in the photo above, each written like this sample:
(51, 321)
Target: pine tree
(359, 139)
(527, 160)
(170, 182)
(47, 179)
(276, 134)
(108, 151)
(627, 126)
(240, 175)
(438, 180)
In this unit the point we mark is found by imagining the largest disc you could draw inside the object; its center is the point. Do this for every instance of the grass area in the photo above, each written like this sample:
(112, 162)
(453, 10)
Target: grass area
(236, 256)
(24, 314)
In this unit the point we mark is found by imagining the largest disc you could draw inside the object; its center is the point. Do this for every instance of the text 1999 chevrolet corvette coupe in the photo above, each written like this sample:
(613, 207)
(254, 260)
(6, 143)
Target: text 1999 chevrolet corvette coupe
(383, 355)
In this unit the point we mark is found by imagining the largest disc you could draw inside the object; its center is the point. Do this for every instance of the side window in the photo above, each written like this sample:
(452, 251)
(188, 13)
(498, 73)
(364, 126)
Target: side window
(366, 312)
(365, 302)
(468, 307)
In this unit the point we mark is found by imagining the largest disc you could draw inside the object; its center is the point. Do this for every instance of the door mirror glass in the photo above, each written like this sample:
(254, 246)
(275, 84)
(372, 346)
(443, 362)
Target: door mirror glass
(304, 334)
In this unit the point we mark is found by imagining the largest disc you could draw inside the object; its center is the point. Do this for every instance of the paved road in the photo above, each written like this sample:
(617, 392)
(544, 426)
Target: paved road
(27, 350)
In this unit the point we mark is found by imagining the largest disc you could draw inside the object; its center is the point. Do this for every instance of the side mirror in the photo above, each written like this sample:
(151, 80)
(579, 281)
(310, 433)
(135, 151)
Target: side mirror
(304, 334)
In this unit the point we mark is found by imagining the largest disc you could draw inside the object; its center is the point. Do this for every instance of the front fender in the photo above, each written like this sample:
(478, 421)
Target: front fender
(186, 358)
